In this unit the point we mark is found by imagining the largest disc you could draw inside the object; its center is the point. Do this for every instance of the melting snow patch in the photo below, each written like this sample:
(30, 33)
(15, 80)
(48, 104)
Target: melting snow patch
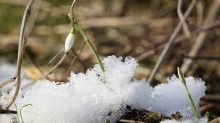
(97, 97)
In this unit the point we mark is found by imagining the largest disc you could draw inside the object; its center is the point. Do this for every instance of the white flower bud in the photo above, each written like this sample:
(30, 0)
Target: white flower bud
(69, 40)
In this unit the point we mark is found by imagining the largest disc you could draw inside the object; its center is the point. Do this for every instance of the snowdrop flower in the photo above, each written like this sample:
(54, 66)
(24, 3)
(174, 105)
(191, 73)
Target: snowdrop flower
(69, 40)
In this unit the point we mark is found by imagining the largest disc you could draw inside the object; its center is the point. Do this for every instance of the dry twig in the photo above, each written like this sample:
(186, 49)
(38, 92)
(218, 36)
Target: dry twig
(179, 39)
(217, 120)
(20, 45)
(182, 19)
(20, 54)
(200, 39)
(71, 13)
(170, 42)
(74, 59)
(54, 67)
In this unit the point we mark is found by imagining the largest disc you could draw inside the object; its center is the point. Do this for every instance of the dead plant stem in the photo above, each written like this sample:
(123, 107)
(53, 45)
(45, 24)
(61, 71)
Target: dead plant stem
(200, 39)
(170, 42)
(179, 39)
(54, 67)
(18, 75)
(74, 59)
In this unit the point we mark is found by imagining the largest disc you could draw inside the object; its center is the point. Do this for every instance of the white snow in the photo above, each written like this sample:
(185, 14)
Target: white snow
(202, 120)
(172, 97)
(97, 97)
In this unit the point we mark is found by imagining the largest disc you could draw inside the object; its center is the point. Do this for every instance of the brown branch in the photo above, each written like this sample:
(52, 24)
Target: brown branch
(7, 81)
(201, 57)
(216, 120)
(182, 19)
(2, 111)
(20, 45)
(199, 13)
(18, 75)
(170, 42)
(200, 39)
(33, 17)
(179, 39)
(211, 97)
(54, 67)
(74, 59)
(71, 13)
(35, 64)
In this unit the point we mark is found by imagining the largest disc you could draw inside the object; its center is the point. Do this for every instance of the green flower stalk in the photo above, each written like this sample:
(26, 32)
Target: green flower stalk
(90, 45)
(188, 93)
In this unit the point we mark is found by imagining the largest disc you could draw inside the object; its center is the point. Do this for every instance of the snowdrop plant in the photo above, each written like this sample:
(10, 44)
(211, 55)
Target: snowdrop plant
(188, 93)
(70, 40)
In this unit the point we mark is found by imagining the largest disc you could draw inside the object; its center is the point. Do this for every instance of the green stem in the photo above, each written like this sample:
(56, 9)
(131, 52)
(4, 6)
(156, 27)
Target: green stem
(188, 93)
(20, 111)
(90, 45)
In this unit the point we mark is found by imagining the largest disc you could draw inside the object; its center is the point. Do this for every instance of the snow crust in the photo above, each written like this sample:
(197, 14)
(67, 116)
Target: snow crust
(96, 97)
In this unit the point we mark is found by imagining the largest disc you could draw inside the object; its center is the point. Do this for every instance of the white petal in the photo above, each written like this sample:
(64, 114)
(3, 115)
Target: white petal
(69, 42)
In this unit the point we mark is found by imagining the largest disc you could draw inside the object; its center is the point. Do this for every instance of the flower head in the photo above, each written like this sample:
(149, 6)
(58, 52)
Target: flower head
(69, 40)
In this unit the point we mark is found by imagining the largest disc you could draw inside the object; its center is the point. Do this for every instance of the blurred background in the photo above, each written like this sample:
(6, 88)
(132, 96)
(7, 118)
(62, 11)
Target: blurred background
(137, 28)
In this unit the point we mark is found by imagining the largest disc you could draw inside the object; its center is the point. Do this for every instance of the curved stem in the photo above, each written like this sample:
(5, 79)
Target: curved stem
(90, 45)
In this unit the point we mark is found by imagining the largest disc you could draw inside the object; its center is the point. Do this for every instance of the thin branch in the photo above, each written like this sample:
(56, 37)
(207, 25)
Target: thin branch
(26, 12)
(19, 74)
(179, 39)
(2, 111)
(211, 97)
(74, 59)
(54, 67)
(201, 57)
(216, 120)
(200, 39)
(199, 13)
(20, 45)
(33, 17)
(7, 81)
(20, 54)
(182, 19)
(35, 64)
(72, 13)
(170, 42)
